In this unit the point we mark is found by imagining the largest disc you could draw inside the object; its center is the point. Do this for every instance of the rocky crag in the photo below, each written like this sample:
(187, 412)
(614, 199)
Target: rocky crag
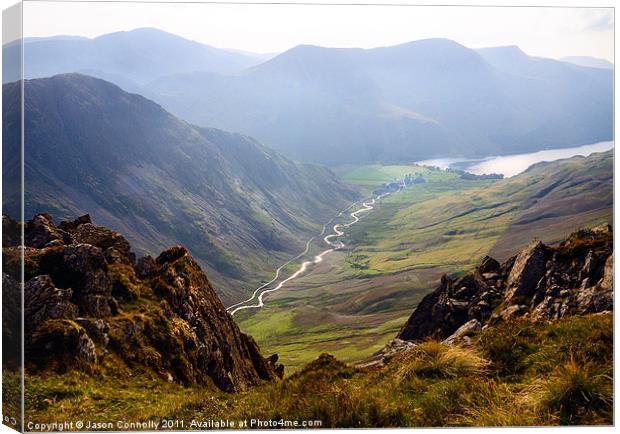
(541, 283)
(90, 303)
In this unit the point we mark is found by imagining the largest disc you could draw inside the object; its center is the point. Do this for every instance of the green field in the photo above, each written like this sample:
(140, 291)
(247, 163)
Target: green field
(357, 300)
(376, 174)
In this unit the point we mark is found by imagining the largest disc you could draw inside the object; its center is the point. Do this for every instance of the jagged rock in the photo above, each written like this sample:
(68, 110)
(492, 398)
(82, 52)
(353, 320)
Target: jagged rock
(590, 268)
(528, 268)
(96, 305)
(509, 312)
(97, 329)
(71, 225)
(383, 356)
(607, 282)
(104, 238)
(434, 316)
(172, 254)
(81, 267)
(600, 297)
(488, 265)
(542, 282)
(466, 329)
(43, 301)
(226, 350)
(278, 368)
(146, 267)
(113, 256)
(40, 232)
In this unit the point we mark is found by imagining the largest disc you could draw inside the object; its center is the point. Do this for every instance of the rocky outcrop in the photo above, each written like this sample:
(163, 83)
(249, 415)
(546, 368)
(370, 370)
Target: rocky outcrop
(88, 299)
(43, 301)
(383, 356)
(541, 282)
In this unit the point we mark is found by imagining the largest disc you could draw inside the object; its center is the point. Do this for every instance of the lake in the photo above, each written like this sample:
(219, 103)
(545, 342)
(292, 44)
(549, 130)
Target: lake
(511, 165)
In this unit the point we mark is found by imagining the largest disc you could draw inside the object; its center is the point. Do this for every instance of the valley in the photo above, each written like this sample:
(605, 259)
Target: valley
(355, 302)
(337, 232)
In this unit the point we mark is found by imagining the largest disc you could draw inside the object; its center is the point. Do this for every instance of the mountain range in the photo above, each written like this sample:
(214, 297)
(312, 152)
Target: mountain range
(402, 103)
(93, 148)
(407, 102)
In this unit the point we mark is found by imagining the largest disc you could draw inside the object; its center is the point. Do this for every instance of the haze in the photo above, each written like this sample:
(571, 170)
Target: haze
(546, 32)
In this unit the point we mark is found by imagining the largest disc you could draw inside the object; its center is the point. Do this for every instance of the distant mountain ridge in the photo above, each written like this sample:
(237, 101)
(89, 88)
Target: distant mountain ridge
(93, 148)
(591, 62)
(129, 58)
(408, 102)
(413, 101)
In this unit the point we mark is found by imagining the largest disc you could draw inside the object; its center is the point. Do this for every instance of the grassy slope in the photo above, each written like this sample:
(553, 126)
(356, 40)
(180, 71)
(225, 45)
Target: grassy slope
(518, 373)
(357, 300)
(447, 225)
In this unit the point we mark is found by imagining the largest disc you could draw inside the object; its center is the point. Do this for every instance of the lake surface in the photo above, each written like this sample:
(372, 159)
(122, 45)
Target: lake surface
(511, 165)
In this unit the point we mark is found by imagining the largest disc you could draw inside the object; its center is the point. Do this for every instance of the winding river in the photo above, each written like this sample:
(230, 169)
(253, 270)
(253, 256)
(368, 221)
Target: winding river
(256, 300)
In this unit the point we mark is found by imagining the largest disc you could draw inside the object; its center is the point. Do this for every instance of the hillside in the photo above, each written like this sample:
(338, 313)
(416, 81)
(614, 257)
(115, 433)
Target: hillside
(548, 201)
(522, 369)
(388, 104)
(237, 205)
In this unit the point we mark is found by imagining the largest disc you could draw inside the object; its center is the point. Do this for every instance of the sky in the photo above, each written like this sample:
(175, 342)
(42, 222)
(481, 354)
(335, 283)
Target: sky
(539, 31)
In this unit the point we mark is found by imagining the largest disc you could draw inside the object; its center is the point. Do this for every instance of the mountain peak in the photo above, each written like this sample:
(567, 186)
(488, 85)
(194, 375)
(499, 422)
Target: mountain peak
(434, 42)
(515, 49)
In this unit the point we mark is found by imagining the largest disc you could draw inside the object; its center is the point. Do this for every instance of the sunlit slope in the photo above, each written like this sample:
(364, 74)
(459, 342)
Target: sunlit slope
(445, 224)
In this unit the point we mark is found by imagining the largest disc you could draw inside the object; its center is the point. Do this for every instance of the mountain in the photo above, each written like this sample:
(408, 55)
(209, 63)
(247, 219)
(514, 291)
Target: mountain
(238, 206)
(89, 306)
(128, 58)
(408, 102)
(590, 62)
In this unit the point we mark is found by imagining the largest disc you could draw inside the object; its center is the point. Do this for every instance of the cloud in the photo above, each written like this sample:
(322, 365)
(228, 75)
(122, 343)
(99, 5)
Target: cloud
(599, 20)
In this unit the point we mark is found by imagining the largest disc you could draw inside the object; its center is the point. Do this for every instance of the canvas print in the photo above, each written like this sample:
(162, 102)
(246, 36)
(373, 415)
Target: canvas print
(262, 216)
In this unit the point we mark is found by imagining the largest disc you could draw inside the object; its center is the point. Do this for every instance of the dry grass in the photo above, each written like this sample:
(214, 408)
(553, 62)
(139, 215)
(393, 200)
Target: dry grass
(436, 360)
(558, 373)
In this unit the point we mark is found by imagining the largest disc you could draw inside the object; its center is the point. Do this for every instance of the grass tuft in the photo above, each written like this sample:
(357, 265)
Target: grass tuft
(437, 360)
(576, 393)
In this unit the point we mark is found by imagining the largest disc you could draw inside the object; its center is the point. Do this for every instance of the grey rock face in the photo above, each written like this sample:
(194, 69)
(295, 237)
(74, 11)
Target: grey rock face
(541, 282)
